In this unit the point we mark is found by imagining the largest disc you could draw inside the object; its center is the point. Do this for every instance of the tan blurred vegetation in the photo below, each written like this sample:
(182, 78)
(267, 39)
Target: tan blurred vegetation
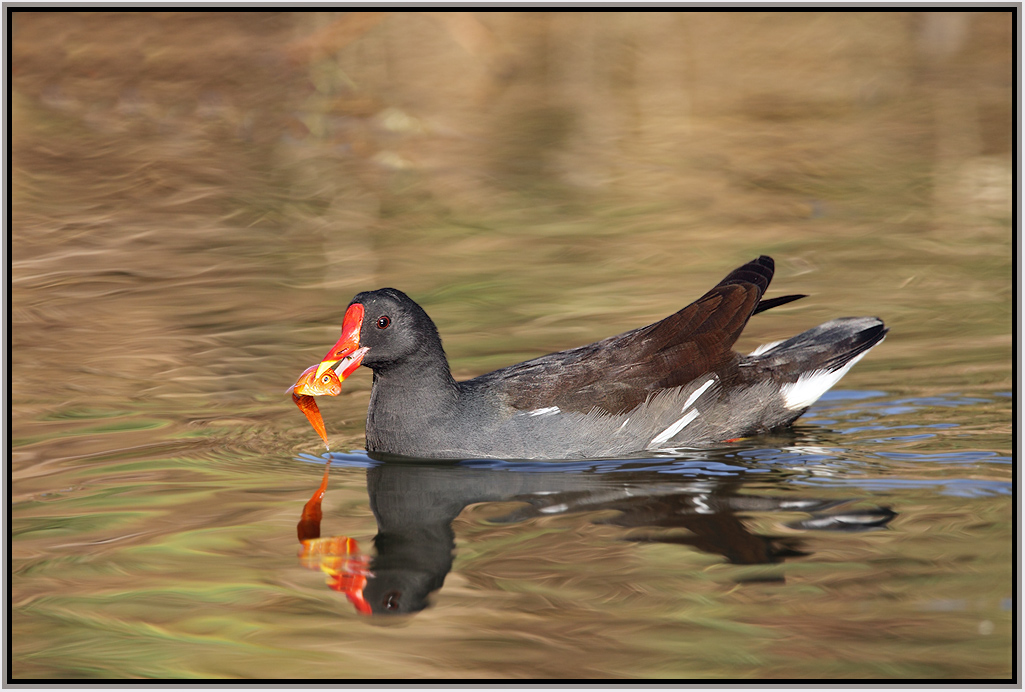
(752, 109)
(527, 170)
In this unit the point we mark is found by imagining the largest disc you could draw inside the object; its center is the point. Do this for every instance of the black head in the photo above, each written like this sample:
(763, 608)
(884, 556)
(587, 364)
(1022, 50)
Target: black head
(394, 328)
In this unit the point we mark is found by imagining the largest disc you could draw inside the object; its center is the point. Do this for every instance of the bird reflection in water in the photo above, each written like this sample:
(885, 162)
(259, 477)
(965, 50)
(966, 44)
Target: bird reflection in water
(415, 504)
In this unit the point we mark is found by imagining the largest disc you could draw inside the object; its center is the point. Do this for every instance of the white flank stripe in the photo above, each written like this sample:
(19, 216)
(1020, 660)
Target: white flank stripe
(673, 429)
(811, 385)
(685, 419)
(550, 411)
(698, 392)
(765, 347)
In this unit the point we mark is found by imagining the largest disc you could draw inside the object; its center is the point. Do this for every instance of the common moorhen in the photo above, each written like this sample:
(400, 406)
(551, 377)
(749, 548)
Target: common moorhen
(676, 383)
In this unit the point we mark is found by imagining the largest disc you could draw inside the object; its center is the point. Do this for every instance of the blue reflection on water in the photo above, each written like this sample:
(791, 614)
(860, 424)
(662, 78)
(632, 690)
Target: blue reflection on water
(850, 395)
(699, 467)
(956, 487)
(357, 458)
(972, 457)
(814, 464)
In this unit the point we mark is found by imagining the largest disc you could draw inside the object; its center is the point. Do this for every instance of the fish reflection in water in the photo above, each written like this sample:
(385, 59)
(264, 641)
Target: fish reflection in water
(414, 506)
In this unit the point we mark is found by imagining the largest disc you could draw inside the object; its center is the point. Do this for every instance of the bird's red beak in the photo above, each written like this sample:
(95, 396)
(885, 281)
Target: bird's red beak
(346, 345)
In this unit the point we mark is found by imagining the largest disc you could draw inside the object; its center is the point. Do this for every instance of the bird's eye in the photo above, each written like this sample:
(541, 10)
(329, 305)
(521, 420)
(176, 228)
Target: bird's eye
(325, 379)
(383, 321)
(391, 600)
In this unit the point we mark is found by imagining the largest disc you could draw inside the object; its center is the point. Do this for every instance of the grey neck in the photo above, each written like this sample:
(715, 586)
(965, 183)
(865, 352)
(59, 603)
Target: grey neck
(410, 402)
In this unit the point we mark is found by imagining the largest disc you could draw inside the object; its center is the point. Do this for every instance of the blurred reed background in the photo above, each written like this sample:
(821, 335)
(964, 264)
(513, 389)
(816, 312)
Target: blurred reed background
(196, 196)
(692, 138)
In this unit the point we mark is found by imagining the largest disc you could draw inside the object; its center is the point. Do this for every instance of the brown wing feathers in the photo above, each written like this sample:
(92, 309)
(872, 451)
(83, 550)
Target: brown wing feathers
(620, 372)
(699, 338)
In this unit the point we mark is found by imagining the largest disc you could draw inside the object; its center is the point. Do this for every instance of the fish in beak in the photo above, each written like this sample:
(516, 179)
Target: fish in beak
(347, 345)
(310, 384)
(325, 378)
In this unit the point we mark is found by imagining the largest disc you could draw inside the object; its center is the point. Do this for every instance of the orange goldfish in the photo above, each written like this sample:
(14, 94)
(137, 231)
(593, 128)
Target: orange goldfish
(308, 385)
(328, 384)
